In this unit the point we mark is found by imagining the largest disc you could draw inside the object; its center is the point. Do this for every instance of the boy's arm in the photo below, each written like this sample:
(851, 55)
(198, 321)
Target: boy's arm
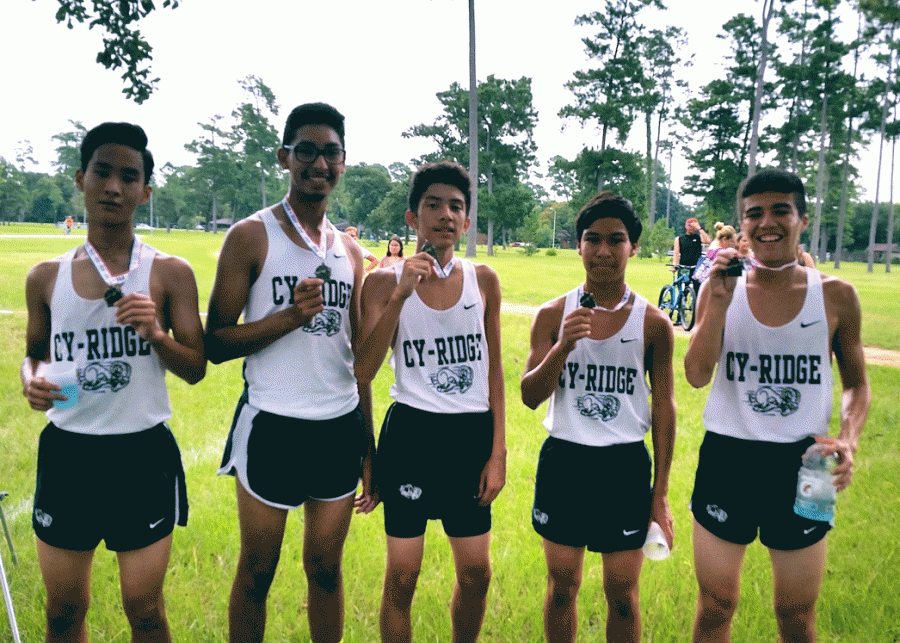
(382, 300)
(841, 298)
(705, 346)
(659, 342)
(182, 352)
(493, 476)
(548, 354)
(368, 499)
(239, 263)
(39, 392)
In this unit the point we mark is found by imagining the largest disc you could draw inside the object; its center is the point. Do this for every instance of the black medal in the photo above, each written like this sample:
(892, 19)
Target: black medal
(587, 300)
(323, 272)
(429, 249)
(734, 268)
(112, 295)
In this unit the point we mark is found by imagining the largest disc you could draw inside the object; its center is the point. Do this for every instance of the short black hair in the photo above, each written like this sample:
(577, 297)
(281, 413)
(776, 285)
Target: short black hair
(445, 172)
(772, 180)
(313, 114)
(127, 134)
(608, 205)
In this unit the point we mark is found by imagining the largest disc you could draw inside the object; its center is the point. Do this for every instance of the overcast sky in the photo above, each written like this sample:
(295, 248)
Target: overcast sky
(380, 63)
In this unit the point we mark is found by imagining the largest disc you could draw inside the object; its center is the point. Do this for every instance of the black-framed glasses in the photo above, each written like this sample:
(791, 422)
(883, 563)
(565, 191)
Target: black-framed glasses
(308, 153)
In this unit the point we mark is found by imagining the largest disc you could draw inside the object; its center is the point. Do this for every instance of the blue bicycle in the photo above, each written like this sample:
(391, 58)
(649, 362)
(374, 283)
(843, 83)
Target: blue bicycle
(678, 300)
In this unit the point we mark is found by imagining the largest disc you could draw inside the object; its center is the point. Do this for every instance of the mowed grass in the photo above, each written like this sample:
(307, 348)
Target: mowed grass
(858, 602)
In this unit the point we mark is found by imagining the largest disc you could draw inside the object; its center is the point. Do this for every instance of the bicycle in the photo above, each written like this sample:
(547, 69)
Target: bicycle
(678, 300)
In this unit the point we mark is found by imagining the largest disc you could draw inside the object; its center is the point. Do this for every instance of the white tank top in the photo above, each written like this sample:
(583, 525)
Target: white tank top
(307, 373)
(121, 381)
(773, 384)
(603, 396)
(440, 357)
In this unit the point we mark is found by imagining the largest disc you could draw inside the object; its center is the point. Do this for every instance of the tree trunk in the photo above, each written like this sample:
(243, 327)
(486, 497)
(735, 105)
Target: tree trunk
(473, 135)
(649, 182)
(768, 9)
(820, 182)
(890, 228)
(873, 225)
(262, 186)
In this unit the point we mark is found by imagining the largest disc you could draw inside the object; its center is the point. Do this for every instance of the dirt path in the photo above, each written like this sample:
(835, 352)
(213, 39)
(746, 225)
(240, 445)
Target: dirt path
(874, 355)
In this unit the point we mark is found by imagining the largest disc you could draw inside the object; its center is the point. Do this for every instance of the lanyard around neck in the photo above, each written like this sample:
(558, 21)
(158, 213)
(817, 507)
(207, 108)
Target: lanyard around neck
(625, 297)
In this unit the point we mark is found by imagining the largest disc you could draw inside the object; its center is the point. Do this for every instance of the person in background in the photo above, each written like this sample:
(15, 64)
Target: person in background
(394, 252)
(353, 233)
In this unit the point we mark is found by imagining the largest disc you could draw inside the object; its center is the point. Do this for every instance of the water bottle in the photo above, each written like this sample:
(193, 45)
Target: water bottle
(816, 492)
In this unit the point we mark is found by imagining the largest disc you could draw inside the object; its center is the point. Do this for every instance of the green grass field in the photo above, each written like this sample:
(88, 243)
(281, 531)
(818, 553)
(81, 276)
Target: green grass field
(858, 602)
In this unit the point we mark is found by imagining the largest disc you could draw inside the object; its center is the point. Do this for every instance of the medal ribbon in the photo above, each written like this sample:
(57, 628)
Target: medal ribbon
(319, 250)
(622, 302)
(444, 271)
(109, 279)
(758, 264)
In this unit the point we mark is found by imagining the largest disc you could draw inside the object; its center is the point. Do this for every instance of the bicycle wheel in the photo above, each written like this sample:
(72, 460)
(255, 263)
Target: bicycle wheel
(667, 302)
(688, 306)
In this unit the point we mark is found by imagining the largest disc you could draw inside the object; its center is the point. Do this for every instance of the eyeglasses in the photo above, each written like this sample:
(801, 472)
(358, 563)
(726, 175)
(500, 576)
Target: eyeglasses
(308, 153)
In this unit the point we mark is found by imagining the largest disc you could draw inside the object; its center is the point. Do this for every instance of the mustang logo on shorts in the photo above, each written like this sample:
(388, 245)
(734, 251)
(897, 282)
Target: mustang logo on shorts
(604, 407)
(327, 322)
(771, 400)
(100, 375)
(539, 516)
(409, 491)
(42, 518)
(452, 379)
(717, 513)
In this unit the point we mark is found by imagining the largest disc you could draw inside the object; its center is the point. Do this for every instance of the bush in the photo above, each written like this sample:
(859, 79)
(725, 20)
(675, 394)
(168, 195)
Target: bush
(551, 252)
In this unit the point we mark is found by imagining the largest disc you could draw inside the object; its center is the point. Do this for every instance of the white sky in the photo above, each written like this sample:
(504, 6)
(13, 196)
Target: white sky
(380, 63)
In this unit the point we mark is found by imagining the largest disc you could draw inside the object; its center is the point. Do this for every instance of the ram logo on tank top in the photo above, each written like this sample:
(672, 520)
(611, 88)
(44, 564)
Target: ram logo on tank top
(453, 374)
(774, 375)
(103, 345)
(335, 293)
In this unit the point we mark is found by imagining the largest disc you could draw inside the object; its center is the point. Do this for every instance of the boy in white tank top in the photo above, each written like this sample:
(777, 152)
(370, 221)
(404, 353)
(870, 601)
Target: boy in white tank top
(108, 307)
(771, 333)
(593, 487)
(302, 434)
(441, 316)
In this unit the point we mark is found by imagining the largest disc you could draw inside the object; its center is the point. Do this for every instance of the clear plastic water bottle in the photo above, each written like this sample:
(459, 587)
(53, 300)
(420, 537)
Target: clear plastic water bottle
(816, 492)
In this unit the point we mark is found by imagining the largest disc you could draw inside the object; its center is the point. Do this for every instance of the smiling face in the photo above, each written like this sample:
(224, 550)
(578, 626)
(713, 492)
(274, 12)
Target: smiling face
(773, 225)
(394, 248)
(113, 184)
(605, 249)
(314, 181)
(441, 218)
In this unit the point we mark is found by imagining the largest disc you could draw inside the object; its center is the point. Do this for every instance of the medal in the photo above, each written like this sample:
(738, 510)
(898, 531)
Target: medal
(112, 295)
(114, 292)
(323, 272)
(442, 271)
(734, 268)
(587, 300)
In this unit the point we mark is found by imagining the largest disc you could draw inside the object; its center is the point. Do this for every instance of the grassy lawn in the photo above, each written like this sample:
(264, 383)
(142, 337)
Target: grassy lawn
(858, 602)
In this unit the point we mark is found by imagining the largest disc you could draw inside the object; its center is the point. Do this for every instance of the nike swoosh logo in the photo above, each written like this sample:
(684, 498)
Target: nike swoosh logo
(806, 531)
(154, 524)
(625, 341)
(630, 533)
(808, 324)
(467, 307)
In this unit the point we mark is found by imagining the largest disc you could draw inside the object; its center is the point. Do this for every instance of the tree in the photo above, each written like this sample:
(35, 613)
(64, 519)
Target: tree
(216, 166)
(506, 121)
(253, 137)
(359, 193)
(123, 44)
(767, 13)
(608, 93)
